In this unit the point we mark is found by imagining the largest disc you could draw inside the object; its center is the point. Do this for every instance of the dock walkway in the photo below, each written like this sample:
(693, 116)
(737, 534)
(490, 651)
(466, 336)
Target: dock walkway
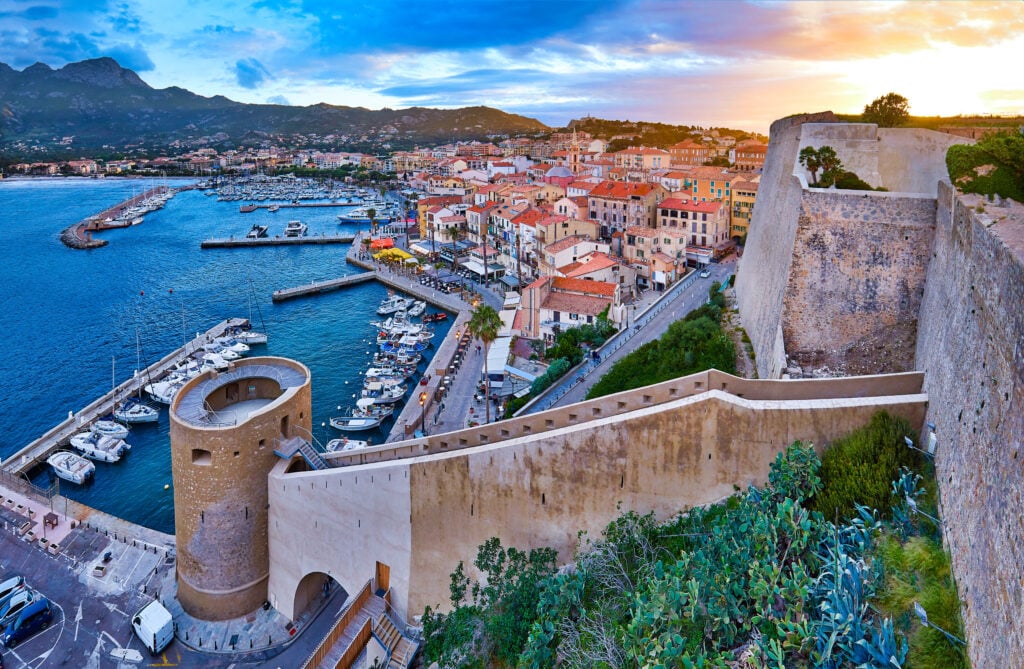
(236, 242)
(36, 452)
(321, 286)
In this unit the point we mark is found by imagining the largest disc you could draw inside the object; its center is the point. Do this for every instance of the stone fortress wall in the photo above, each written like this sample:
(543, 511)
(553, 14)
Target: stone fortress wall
(420, 507)
(970, 347)
(919, 279)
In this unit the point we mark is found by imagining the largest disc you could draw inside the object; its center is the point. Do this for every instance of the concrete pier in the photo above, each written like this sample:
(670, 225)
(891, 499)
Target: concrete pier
(36, 452)
(235, 242)
(321, 286)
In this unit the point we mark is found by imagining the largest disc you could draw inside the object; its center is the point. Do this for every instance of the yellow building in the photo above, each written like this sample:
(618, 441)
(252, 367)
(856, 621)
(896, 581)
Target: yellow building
(744, 192)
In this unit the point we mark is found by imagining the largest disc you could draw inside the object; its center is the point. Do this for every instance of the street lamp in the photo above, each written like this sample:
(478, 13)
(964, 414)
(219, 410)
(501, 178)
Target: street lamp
(423, 415)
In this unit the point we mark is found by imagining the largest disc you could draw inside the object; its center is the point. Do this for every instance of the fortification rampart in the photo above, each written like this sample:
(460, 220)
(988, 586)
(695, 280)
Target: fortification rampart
(421, 514)
(971, 348)
(833, 278)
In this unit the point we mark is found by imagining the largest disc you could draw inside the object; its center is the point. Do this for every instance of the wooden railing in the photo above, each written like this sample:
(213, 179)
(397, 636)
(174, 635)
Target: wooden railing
(324, 647)
(351, 654)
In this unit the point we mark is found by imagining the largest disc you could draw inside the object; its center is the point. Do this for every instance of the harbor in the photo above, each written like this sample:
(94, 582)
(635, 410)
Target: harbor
(240, 242)
(36, 453)
(122, 215)
(321, 286)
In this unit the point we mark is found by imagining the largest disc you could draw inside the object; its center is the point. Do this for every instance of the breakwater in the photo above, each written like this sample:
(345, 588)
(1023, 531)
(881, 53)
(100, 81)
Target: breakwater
(238, 242)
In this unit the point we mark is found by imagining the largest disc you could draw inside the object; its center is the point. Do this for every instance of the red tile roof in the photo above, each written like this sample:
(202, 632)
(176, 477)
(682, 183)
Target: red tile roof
(587, 305)
(621, 190)
(583, 286)
(680, 204)
(566, 242)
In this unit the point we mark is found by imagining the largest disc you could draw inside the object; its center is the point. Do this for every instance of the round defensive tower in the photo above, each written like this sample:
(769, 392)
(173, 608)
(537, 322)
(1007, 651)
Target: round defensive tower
(224, 430)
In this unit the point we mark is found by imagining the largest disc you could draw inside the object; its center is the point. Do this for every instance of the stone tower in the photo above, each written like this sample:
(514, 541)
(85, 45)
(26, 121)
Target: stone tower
(224, 429)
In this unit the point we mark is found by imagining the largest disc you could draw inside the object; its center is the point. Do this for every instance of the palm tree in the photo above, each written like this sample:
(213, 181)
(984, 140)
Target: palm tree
(484, 325)
(371, 213)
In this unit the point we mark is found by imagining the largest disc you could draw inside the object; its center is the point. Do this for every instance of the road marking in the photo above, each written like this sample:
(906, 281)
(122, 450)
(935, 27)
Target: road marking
(165, 662)
(78, 619)
(112, 608)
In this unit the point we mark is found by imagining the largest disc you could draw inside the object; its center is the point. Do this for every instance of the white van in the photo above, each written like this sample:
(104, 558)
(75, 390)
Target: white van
(154, 627)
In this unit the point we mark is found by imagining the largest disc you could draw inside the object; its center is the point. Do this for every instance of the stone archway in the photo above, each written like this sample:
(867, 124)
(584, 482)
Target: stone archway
(312, 590)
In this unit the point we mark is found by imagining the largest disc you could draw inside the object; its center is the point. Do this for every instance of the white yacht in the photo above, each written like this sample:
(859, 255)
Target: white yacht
(97, 447)
(71, 467)
(134, 411)
(295, 229)
(417, 308)
(392, 304)
(110, 428)
(345, 444)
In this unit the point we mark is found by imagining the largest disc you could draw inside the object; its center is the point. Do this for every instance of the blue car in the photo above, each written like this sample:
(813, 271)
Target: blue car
(33, 618)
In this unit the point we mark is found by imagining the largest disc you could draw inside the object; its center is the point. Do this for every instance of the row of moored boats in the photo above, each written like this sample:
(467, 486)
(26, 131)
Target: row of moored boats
(401, 343)
(106, 440)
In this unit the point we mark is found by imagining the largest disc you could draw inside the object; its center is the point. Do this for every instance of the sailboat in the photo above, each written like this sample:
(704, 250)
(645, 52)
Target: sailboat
(134, 410)
(245, 334)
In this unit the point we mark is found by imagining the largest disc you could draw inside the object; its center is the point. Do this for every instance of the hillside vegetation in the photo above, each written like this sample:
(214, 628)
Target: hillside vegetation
(694, 344)
(760, 580)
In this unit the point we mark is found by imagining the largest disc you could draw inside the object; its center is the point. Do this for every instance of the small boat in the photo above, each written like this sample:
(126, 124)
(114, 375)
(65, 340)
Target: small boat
(274, 207)
(97, 447)
(383, 394)
(246, 208)
(391, 304)
(134, 411)
(295, 229)
(256, 232)
(362, 215)
(417, 308)
(110, 428)
(164, 391)
(250, 337)
(434, 318)
(345, 444)
(71, 466)
(356, 423)
(233, 344)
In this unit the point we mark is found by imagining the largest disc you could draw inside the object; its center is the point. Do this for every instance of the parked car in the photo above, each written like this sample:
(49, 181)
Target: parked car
(9, 586)
(33, 618)
(705, 274)
(15, 605)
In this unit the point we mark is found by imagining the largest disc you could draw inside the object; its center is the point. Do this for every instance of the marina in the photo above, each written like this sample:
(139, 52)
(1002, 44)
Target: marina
(125, 214)
(321, 286)
(39, 450)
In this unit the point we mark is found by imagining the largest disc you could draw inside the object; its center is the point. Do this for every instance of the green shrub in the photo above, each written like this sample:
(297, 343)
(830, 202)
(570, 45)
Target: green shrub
(860, 467)
(1005, 152)
(850, 181)
(555, 371)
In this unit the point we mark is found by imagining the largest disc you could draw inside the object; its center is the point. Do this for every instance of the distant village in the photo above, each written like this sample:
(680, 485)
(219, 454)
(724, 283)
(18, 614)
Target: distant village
(584, 230)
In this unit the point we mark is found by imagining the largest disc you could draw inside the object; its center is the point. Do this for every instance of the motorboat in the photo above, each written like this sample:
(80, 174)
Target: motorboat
(295, 229)
(344, 445)
(250, 337)
(256, 232)
(110, 428)
(274, 207)
(214, 361)
(226, 352)
(164, 391)
(392, 304)
(434, 318)
(135, 411)
(366, 416)
(362, 215)
(71, 466)
(233, 344)
(417, 308)
(386, 381)
(382, 394)
(395, 348)
(390, 371)
(97, 447)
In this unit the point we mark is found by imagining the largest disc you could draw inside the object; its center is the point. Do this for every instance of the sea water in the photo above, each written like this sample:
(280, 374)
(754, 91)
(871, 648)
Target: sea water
(66, 314)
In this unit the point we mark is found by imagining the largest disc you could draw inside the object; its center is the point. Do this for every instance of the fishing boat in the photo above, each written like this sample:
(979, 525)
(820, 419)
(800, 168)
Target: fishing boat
(110, 428)
(246, 208)
(71, 466)
(97, 447)
(417, 308)
(383, 394)
(295, 229)
(256, 232)
(274, 207)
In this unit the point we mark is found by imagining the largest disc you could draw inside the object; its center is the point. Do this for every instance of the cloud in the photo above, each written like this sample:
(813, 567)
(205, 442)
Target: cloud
(278, 100)
(132, 56)
(251, 73)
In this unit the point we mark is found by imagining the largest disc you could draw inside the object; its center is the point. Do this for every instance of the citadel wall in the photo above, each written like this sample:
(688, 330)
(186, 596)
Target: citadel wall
(970, 347)
(422, 514)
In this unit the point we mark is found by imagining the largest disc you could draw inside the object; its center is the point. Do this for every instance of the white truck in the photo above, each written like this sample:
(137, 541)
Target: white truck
(154, 626)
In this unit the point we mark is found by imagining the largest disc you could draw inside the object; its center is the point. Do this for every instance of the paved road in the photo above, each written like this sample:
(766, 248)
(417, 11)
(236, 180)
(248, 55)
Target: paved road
(649, 326)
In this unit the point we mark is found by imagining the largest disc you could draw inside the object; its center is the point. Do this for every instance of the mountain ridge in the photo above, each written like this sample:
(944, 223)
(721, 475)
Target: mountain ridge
(103, 106)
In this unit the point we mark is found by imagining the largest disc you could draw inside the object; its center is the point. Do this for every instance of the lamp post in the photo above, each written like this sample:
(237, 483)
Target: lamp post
(423, 415)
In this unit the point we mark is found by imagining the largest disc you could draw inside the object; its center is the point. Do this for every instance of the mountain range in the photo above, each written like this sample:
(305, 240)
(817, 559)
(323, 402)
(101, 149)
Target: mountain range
(96, 106)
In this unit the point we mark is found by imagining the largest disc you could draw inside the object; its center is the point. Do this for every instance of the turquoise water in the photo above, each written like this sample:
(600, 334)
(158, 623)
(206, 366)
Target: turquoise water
(65, 313)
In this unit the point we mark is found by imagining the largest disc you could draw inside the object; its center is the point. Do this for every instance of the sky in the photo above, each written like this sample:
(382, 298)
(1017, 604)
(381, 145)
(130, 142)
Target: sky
(733, 64)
